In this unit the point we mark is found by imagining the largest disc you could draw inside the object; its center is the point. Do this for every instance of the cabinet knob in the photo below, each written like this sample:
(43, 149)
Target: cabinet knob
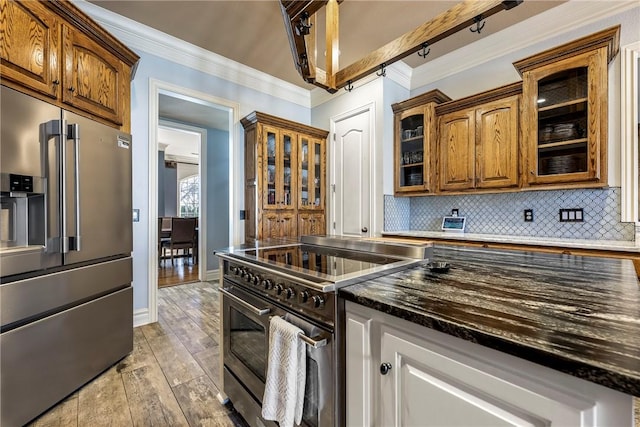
(532, 172)
(56, 82)
(365, 229)
(72, 89)
(385, 368)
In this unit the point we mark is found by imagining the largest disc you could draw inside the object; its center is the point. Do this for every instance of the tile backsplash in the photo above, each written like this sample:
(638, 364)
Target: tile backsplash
(503, 213)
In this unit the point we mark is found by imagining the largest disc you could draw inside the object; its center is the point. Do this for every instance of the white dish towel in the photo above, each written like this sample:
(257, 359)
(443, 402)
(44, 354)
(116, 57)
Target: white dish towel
(283, 398)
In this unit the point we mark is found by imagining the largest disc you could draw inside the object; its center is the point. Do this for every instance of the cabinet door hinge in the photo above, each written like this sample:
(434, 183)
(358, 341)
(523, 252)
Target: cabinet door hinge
(334, 136)
(334, 225)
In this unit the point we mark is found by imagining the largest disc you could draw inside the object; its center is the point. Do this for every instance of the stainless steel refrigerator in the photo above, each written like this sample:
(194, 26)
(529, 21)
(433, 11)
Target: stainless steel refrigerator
(66, 301)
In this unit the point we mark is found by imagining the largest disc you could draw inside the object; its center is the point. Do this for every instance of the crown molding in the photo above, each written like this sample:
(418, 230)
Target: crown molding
(143, 38)
(538, 28)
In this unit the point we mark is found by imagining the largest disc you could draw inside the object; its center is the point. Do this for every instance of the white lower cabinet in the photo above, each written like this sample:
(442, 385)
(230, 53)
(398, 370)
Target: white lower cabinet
(434, 379)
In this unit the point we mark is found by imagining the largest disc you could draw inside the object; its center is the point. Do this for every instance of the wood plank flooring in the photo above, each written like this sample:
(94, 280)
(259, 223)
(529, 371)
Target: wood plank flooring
(181, 272)
(170, 379)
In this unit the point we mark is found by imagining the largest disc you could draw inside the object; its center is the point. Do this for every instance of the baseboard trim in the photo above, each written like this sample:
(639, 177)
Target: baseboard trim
(141, 317)
(212, 275)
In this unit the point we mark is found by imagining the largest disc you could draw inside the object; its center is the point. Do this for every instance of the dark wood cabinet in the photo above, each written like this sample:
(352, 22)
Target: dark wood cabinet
(53, 51)
(285, 178)
(479, 141)
(565, 111)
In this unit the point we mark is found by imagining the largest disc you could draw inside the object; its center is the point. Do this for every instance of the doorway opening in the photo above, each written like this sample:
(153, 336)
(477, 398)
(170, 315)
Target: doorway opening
(179, 183)
(214, 120)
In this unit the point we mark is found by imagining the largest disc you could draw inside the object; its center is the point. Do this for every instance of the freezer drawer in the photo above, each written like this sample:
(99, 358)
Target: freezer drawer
(47, 360)
(28, 299)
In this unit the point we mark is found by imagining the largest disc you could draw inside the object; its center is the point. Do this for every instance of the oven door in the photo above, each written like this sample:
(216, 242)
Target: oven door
(246, 320)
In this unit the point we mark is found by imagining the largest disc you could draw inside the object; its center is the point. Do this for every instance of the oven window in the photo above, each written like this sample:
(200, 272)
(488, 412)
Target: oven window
(248, 342)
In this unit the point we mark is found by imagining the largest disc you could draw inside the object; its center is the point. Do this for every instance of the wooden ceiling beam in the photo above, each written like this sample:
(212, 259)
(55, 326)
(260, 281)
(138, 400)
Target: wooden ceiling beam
(447, 23)
(331, 42)
(303, 41)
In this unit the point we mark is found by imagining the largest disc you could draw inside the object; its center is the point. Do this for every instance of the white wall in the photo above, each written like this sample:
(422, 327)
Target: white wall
(251, 90)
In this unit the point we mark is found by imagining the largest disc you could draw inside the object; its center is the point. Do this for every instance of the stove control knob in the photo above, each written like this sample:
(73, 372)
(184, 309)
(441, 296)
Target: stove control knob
(268, 284)
(279, 288)
(318, 301)
(290, 293)
(249, 277)
(234, 270)
(243, 272)
(256, 280)
(304, 296)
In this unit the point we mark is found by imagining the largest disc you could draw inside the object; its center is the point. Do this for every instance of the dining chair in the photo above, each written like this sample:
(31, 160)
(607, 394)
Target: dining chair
(163, 237)
(182, 237)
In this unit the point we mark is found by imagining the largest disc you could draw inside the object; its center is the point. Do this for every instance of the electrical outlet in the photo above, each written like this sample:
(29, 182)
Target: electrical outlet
(528, 215)
(242, 214)
(454, 212)
(571, 215)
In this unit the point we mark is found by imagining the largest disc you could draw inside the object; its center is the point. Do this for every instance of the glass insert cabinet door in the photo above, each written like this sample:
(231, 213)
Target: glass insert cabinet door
(565, 131)
(411, 151)
(562, 122)
(279, 168)
(311, 185)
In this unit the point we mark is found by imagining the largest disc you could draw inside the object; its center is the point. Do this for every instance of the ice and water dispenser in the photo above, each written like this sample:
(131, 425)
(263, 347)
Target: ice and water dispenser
(22, 221)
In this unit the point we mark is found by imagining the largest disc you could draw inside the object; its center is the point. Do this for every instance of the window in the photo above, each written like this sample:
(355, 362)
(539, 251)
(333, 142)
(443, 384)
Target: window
(190, 196)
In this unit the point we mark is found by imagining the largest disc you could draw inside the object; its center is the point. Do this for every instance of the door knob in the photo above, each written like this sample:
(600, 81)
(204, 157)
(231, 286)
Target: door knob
(385, 368)
(365, 229)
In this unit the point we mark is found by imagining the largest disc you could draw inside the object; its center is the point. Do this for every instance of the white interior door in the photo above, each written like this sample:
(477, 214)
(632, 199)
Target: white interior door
(351, 174)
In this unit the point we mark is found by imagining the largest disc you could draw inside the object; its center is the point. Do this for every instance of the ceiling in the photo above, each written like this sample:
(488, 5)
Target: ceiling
(253, 32)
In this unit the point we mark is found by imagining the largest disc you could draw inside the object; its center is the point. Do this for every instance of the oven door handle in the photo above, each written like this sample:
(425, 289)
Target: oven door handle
(254, 309)
(312, 342)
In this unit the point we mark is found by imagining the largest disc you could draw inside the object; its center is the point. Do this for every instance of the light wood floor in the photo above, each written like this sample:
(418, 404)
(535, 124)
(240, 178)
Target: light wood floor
(170, 378)
(182, 271)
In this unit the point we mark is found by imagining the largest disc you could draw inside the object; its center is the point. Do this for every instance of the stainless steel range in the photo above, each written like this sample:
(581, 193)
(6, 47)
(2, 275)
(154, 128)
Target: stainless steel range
(296, 280)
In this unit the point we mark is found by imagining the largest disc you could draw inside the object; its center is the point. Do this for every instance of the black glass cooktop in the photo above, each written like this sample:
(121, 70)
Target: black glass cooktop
(329, 261)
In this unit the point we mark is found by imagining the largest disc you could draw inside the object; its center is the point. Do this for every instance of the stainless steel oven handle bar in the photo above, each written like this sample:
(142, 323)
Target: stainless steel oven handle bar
(312, 342)
(322, 287)
(254, 309)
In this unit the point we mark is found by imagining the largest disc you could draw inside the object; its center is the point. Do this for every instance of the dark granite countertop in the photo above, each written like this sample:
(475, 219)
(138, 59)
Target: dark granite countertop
(576, 314)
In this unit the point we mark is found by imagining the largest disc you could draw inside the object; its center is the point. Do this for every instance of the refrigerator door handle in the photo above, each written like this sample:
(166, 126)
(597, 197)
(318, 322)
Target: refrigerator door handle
(73, 133)
(55, 129)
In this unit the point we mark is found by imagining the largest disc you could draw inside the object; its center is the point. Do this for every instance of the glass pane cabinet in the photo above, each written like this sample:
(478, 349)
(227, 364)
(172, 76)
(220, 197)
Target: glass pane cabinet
(564, 123)
(414, 141)
(412, 171)
(311, 152)
(285, 178)
(279, 168)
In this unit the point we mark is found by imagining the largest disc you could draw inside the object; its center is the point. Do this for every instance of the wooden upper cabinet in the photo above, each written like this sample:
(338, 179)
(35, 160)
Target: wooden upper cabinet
(414, 142)
(53, 51)
(278, 154)
(30, 47)
(479, 141)
(93, 77)
(457, 150)
(565, 111)
(311, 172)
(497, 151)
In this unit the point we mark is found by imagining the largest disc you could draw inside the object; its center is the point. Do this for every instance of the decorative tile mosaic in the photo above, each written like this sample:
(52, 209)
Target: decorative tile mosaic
(503, 214)
(396, 213)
